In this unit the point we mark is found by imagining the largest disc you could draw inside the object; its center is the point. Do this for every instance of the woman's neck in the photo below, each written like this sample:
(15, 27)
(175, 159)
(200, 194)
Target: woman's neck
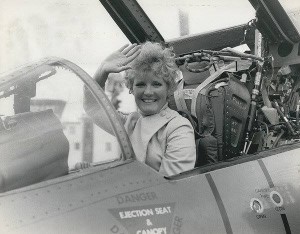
(145, 115)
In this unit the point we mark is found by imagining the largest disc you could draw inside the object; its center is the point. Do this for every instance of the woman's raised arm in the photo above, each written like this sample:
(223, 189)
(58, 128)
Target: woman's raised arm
(116, 62)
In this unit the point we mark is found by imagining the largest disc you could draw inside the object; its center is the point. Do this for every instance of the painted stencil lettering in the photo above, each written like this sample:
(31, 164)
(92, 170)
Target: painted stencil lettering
(177, 224)
(150, 219)
(137, 197)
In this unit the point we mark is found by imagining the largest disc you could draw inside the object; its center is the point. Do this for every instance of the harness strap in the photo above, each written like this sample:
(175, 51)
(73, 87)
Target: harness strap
(205, 114)
(230, 67)
(179, 98)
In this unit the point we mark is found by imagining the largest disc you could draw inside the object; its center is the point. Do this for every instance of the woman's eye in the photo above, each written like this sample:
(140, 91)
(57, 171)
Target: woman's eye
(139, 84)
(157, 84)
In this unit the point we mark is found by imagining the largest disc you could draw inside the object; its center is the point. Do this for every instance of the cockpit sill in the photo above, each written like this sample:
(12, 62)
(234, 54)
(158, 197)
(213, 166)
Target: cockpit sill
(236, 161)
(73, 175)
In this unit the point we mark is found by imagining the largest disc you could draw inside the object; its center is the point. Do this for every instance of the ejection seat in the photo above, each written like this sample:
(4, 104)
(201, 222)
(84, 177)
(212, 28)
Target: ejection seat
(221, 105)
(33, 148)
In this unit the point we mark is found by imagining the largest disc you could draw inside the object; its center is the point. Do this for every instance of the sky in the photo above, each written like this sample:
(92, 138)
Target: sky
(77, 30)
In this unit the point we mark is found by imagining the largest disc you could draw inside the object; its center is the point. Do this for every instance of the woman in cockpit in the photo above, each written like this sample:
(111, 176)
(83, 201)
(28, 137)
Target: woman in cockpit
(160, 137)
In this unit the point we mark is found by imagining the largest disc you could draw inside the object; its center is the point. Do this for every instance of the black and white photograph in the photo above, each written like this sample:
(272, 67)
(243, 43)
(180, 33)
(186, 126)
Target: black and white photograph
(149, 116)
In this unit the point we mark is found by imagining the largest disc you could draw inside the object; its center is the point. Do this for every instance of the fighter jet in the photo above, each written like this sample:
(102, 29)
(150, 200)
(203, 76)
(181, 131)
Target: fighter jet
(245, 105)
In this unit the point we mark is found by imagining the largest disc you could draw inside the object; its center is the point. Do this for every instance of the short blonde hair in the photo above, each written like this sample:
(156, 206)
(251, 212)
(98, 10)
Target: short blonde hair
(157, 59)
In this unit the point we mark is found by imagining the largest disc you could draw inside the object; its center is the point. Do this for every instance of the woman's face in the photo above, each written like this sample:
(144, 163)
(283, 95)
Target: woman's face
(150, 93)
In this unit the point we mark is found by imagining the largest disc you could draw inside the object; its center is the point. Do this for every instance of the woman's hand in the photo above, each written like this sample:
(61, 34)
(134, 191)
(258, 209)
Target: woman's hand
(82, 165)
(117, 62)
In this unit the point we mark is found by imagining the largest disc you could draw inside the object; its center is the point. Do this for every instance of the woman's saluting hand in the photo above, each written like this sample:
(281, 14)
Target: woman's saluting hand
(116, 62)
(119, 60)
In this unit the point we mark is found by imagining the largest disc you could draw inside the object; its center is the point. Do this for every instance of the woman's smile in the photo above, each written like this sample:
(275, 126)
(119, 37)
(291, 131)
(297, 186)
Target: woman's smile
(148, 100)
